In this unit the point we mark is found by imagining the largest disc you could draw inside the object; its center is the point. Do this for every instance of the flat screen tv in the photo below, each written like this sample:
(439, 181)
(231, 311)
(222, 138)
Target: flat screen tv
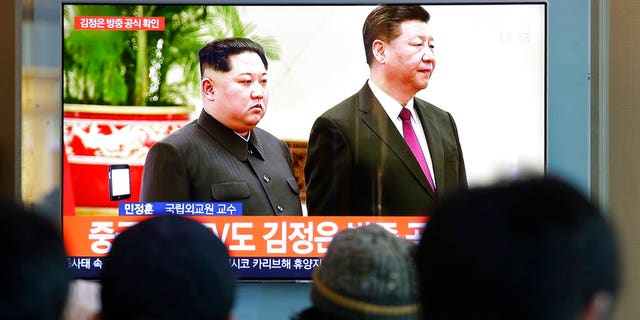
(130, 77)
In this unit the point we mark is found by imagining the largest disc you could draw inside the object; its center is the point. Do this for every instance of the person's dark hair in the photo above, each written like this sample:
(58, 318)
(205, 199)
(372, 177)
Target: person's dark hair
(384, 23)
(216, 53)
(34, 277)
(530, 249)
(167, 267)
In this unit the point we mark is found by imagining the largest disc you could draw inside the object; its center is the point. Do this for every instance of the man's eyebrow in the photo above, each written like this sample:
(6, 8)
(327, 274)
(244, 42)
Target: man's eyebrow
(251, 74)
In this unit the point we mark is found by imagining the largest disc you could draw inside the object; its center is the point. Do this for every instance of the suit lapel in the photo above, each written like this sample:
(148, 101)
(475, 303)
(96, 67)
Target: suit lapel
(434, 140)
(376, 119)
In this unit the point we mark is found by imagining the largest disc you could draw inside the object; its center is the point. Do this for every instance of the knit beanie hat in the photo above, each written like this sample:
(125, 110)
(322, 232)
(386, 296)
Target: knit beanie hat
(367, 273)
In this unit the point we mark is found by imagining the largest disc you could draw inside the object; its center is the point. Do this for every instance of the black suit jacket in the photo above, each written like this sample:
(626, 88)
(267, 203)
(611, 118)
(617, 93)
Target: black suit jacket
(359, 164)
(205, 161)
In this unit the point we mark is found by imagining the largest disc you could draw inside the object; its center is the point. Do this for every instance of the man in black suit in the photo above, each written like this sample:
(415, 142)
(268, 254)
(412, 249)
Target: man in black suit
(222, 156)
(358, 161)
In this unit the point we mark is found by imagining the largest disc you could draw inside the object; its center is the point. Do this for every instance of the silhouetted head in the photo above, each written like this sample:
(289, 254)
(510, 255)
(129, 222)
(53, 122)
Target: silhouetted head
(167, 267)
(531, 249)
(34, 278)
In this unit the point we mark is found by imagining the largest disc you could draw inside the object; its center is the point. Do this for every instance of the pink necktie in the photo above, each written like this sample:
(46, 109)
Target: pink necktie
(414, 145)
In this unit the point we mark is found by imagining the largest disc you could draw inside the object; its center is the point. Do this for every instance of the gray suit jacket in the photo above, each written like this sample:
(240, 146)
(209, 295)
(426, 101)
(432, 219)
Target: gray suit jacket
(204, 161)
(359, 164)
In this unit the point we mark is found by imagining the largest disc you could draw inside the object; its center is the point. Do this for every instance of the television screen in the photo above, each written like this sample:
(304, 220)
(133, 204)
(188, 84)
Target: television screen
(131, 77)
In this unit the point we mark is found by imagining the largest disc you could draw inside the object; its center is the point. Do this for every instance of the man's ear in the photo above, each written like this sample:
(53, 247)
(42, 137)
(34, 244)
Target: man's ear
(207, 88)
(598, 307)
(379, 49)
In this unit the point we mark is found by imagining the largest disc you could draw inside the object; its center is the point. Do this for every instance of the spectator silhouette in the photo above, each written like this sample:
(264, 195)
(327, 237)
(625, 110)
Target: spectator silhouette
(167, 267)
(367, 273)
(34, 278)
(528, 249)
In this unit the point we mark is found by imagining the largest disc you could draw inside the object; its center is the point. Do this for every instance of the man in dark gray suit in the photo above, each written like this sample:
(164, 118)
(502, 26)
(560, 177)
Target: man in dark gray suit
(222, 156)
(382, 151)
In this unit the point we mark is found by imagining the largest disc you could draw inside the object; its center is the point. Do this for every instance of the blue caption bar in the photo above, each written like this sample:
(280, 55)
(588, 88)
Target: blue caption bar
(180, 208)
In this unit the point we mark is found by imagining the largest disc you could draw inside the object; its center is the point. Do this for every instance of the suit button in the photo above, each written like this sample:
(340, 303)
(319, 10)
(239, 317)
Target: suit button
(250, 151)
(280, 208)
(265, 178)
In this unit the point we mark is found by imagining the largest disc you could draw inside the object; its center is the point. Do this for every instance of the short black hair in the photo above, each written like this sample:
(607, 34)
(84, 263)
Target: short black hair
(216, 53)
(167, 267)
(384, 23)
(528, 249)
(34, 276)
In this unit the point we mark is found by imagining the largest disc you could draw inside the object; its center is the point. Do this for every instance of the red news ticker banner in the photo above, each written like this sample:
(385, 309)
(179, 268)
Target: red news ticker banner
(118, 23)
(244, 236)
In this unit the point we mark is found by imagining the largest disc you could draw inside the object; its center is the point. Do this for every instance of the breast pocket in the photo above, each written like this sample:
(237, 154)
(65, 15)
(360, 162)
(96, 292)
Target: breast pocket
(230, 191)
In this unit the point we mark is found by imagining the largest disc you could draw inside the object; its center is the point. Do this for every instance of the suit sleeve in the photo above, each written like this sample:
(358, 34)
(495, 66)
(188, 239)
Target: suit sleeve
(164, 177)
(328, 170)
(462, 177)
